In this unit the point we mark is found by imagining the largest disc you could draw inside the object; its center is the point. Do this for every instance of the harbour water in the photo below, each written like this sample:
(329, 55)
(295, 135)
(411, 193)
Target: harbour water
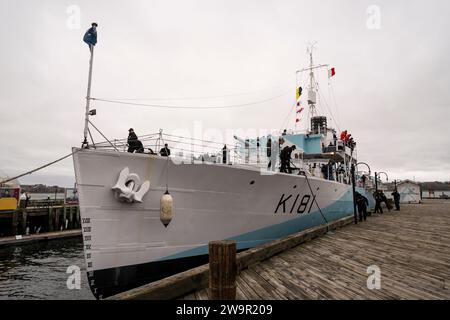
(38, 271)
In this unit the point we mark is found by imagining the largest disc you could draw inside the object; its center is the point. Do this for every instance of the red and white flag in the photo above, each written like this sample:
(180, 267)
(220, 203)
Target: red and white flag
(331, 72)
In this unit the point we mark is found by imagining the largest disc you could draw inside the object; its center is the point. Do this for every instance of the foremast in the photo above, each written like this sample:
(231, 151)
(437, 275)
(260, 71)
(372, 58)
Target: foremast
(312, 88)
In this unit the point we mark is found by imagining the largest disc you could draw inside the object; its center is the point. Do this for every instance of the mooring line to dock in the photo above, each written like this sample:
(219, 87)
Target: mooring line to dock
(40, 168)
(314, 198)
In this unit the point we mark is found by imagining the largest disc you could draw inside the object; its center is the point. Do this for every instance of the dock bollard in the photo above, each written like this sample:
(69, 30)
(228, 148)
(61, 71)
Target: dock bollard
(222, 270)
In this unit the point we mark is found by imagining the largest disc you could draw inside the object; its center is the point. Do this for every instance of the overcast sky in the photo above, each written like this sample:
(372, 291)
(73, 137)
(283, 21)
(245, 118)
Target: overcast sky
(391, 88)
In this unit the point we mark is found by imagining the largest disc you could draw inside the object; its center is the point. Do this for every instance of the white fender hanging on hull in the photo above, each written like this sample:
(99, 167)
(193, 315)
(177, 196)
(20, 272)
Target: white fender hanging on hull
(166, 212)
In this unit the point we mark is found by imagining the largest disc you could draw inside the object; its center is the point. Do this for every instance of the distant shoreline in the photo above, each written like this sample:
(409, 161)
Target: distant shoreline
(45, 195)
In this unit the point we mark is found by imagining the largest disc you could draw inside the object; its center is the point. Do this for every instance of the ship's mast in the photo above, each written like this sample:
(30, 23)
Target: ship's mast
(311, 91)
(88, 99)
(312, 86)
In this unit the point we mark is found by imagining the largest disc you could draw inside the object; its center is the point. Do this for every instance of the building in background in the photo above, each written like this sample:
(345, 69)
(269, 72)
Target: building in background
(409, 192)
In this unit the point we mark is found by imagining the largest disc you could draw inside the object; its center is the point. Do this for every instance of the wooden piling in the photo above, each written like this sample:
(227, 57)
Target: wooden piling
(15, 220)
(57, 212)
(222, 270)
(78, 219)
(24, 220)
(71, 225)
(50, 219)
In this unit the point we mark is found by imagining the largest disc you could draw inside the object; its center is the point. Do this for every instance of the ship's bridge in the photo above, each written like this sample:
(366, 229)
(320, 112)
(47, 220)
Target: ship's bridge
(318, 146)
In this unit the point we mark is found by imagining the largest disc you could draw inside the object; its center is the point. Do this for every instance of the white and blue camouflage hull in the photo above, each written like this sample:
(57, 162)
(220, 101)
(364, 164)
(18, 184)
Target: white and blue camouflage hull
(126, 244)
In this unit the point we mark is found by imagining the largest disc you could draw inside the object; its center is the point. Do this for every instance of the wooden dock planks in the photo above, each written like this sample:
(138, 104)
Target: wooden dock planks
(411, 248)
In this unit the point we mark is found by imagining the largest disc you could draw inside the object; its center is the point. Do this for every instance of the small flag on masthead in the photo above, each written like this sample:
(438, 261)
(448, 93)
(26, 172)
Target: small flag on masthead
(331, 72)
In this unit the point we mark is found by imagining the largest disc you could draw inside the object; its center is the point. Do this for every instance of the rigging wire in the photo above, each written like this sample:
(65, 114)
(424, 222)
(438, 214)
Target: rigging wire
(286, 119)
(191, 107)
(328, 107)
(315, 198)
(330, 84)
(194, 98)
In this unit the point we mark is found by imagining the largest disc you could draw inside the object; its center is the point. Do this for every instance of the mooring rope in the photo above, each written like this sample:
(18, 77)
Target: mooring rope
(314, 197)
(39, 168)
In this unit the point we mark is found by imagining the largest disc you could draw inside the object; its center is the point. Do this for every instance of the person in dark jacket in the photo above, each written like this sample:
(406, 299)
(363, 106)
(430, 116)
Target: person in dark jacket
(377, 198)
(133, 143)
(385, 200)
(165, 152)
(90, 37)
(362, 204)
(396, 197)
(285, 159)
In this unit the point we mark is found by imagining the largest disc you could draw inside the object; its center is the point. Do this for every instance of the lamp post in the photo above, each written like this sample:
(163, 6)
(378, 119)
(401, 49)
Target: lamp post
(367, 167)
(376, 179)
(364, 164)
(354, 194)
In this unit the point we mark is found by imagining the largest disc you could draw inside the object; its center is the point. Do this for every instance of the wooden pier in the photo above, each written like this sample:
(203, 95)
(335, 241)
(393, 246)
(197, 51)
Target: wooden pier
(410, 248)
(47, 218)
(6, 241)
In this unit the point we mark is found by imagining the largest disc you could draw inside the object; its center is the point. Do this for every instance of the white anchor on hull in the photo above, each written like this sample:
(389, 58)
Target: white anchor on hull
(126, 187)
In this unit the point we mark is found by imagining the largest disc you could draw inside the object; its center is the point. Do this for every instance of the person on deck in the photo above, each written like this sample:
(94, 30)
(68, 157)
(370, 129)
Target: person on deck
(347, 139)
(133, 143)
(224, 154)
(165, 152)
(269, 151)
(396, 197)
(285, 158)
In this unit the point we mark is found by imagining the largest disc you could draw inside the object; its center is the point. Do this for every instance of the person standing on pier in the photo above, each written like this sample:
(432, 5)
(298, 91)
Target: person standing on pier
(396, 197)
(377, 197)
(385, 200)
(362, 204)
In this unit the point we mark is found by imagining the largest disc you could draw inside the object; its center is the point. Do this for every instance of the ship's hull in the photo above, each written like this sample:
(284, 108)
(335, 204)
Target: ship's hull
(127, 245)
